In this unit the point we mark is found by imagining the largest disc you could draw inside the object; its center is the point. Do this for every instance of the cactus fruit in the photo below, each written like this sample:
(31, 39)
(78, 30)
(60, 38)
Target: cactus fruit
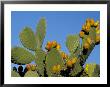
(53, 61)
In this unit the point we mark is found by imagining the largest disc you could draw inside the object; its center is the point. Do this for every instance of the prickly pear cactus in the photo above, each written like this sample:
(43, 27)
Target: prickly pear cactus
(52, 61)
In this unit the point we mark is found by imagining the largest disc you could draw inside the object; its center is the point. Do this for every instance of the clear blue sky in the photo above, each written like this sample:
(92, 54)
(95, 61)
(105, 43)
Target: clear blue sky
(59, 25)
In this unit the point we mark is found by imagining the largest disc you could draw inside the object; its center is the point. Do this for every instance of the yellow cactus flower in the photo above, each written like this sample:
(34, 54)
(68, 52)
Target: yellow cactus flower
(83, 27)
(96, 23)
(86, 46)
(97, 31)
(86, 68)
(54, 44)
(88, 24)
(74, 60)
(58, 47)
(87, 29)
(69, 63)
(92, 22)
(97, 39)
(33, 67)
(54, 69)
(58, 68)
(81, 34)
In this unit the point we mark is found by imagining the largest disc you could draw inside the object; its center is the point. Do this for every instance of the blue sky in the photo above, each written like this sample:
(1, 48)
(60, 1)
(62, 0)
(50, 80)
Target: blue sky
(59, 25)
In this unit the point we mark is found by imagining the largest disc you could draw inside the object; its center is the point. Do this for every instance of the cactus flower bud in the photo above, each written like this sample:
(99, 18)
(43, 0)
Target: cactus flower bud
(83, 27)
(92, 22)
(54, 44)
(81, 34)
(97, 39)
(96, 23)
(69, 64)
(87, 29)
(86, 46)
(58, 47)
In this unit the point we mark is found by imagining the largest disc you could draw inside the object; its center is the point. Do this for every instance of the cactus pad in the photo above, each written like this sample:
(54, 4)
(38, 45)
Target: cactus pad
(31, 74)
(53, 58)
(72, 42)
(41, 32)
(27, 38)
(14, 74)
(39, 59)
(93, 70)
(21, 56)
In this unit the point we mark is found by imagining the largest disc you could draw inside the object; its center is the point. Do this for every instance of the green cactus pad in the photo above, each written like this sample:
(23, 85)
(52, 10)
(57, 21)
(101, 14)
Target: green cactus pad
(14, 74)
(41, 32)
(53, 58)
(21, 56)
(31, 74)
(76, 53)
(76, 70)
(72, 42)
(27, 38)
(39, 59)
(93, 70)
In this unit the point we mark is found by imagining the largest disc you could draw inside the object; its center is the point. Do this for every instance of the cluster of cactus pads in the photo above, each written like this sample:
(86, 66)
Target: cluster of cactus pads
(52, 61)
